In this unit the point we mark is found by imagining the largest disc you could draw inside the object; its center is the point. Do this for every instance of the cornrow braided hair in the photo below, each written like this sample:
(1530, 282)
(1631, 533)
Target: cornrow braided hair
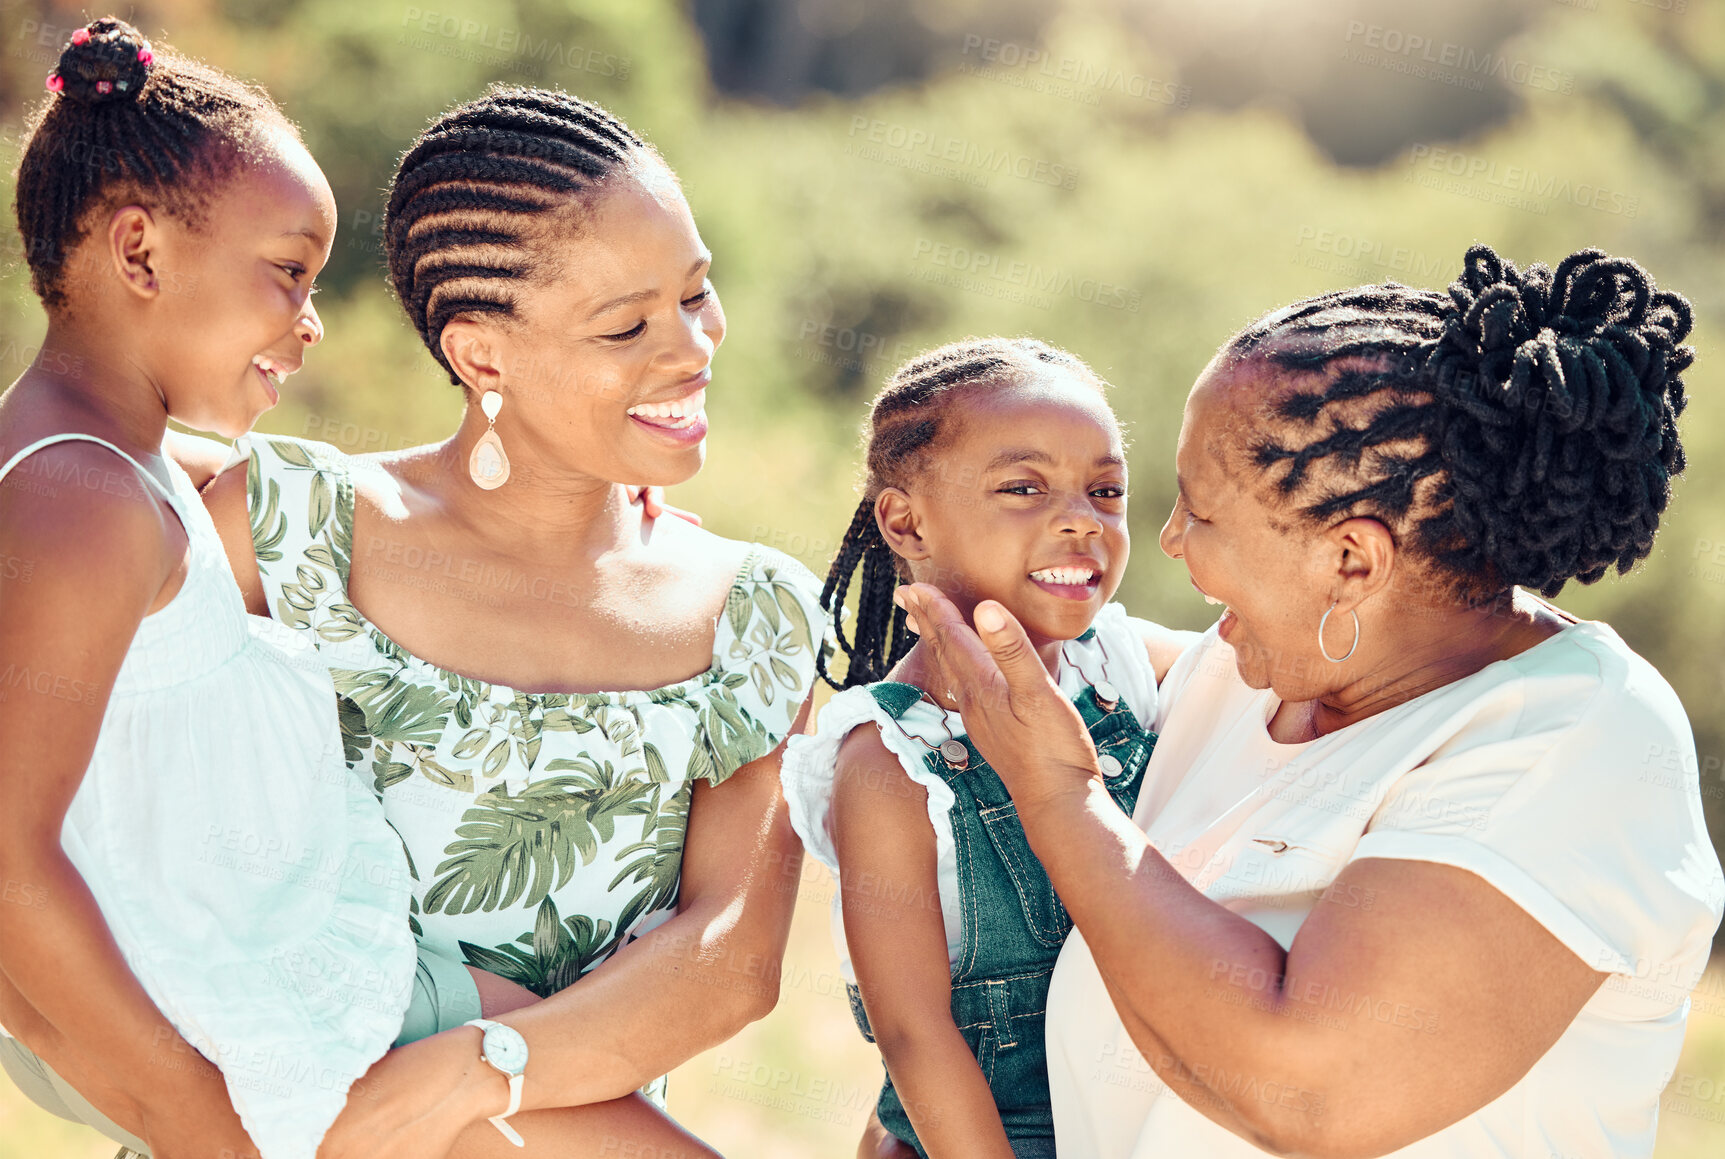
(458, 227)
(127, 120)
(1519, 430)
(906, 426)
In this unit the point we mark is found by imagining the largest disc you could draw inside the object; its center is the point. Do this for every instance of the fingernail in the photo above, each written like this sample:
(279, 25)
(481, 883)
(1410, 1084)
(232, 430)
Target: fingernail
(898, 597)
(989, 619)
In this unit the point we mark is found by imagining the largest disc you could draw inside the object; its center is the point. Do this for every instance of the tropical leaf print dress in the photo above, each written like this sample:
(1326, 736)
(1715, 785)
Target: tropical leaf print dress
(544, 830)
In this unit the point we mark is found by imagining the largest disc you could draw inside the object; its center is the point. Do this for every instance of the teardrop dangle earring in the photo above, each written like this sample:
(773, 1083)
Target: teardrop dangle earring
(488, 465)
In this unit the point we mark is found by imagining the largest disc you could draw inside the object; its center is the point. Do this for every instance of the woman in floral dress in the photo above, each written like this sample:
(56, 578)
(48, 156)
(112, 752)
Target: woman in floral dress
(572, 712)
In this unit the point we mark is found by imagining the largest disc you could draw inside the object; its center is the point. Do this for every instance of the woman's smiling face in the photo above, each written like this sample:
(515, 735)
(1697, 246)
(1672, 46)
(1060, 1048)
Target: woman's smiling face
(607, 362)
(1273, 574)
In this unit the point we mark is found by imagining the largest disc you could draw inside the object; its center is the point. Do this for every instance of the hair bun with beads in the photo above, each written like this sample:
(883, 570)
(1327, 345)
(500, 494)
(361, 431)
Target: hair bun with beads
(107, 60)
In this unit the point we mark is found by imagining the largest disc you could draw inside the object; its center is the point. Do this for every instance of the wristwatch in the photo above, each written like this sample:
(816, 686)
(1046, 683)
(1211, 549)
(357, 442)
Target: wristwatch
(506, 1052)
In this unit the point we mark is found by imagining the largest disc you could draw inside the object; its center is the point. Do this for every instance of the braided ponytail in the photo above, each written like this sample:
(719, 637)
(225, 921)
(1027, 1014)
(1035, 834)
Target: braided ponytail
(906, 426)
(881, 636)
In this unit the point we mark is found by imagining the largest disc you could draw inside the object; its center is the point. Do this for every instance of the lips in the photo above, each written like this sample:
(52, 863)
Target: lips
(1066, 575)
(675, 415)
(1226, 623)
(1070, 581)
(681, 422)
(1208, 598)
(273, 372)
(276, 370)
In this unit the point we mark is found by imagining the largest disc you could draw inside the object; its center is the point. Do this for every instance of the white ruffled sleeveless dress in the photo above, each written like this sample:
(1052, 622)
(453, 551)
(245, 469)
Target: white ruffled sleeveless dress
(249, 879)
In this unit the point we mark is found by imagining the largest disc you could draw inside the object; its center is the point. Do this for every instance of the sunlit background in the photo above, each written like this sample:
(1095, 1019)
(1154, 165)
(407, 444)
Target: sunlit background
(1132, 179)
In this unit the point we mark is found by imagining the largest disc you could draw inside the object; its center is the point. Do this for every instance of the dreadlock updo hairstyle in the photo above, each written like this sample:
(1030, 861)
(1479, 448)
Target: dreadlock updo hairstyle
(1519, 430)
(127, 121)
(471, 194)
(908, 422)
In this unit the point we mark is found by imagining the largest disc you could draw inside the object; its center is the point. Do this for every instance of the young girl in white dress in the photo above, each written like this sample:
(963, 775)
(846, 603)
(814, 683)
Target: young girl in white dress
(196, 875)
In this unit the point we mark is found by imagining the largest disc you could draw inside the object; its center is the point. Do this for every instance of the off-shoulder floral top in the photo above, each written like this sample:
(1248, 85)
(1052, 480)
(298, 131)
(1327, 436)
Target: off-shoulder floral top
(544, 830)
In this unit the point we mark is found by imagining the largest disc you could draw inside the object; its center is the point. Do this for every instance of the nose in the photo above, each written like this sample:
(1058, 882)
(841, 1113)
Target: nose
(308, 325)
(1172, 537)
(700, 336)
(1078, 517)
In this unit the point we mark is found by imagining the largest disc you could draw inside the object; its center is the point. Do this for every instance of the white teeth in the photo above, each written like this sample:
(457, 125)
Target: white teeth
(1064, 575)
(1209, 599)
(680, 413)
(271, 371)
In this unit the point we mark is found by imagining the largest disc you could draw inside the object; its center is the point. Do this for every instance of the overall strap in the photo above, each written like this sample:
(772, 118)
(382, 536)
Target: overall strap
(893, 697)
(80, 437)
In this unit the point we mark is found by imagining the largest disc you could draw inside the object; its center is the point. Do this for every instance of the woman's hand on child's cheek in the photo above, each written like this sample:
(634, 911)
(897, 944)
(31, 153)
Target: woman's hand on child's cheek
(652, 501)
(1015, 715)
(416, 1099)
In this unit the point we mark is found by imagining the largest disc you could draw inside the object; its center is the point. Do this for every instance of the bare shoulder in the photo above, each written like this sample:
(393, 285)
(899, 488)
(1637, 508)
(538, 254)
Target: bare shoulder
(870, 787)
(401, 488)
(698, 557)
(77, 510)
(862, 749)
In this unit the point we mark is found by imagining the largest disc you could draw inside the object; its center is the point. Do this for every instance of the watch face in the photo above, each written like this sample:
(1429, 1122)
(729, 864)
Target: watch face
(505, 1049)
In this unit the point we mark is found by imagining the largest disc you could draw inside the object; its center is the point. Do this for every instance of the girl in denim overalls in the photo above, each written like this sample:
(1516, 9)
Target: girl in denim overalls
(995, 471)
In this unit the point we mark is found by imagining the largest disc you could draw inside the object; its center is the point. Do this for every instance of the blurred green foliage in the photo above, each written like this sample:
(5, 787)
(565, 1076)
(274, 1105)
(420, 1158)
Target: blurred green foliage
(1085, 199)
(1137, 228)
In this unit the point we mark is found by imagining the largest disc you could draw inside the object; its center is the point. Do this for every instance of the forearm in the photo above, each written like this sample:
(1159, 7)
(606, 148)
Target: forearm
(694, 981)
(1325, 1050)
(943, 1090)
(682, 988)
(83, 991)
(1199, 988)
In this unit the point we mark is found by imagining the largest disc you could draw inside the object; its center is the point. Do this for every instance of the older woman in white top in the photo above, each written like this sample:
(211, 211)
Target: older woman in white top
(1412, 871)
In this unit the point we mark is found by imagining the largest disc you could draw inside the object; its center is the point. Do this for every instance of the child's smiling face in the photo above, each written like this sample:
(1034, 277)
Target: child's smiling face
(229, 297)
(1023, 500)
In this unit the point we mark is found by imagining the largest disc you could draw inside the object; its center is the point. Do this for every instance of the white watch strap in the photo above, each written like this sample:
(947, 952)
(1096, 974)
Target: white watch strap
(500, 1120)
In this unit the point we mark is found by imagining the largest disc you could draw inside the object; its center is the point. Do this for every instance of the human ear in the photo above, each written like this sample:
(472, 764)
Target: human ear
(1364, 553)
(133, 241)
(474, 352)
(895, 514)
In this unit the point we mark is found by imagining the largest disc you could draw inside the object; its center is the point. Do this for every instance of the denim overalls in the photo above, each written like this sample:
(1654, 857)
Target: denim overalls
(1014, 924)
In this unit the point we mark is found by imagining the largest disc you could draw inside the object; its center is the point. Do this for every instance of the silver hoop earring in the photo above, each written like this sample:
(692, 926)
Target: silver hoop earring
(1324, 622)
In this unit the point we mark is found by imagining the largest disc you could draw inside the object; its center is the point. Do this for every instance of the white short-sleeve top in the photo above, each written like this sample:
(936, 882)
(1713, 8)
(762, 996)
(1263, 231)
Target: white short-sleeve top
(1113, 651)
(1565, 776)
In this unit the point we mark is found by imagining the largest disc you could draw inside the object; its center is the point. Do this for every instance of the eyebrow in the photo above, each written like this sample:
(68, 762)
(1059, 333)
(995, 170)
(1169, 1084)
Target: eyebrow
(1031, 455)
(306, 232)
(642, 295)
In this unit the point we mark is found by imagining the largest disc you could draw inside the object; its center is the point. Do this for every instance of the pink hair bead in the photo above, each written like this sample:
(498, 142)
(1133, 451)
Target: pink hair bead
(104, 86)
(80, 36)
(145, 56)
(55, 82)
